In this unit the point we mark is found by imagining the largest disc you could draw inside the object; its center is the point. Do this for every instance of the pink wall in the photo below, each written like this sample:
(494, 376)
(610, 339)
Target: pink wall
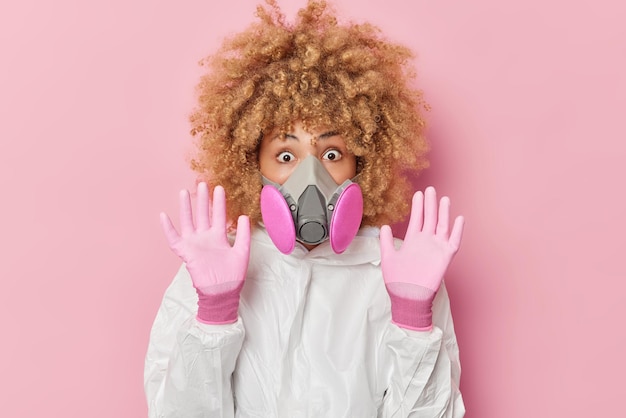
(528, 135)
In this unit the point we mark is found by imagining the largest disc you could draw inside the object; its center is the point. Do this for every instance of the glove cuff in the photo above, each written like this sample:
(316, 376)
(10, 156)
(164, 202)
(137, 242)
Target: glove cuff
(221, 308)
(412, 314)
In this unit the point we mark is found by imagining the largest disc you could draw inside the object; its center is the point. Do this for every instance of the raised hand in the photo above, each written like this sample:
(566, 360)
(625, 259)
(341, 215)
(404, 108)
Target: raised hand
(413, 274)
(217, 269)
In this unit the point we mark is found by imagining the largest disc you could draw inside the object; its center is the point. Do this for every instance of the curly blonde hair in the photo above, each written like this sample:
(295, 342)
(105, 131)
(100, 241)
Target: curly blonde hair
(324, 74)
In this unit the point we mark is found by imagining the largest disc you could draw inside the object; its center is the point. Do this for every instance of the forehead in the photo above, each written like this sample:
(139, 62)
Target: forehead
(304, 137)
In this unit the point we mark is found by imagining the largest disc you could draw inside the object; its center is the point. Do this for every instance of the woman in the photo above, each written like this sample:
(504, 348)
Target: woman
(307, 132)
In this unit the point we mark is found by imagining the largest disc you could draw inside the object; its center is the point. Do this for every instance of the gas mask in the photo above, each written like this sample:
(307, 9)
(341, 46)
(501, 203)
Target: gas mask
(310, 207)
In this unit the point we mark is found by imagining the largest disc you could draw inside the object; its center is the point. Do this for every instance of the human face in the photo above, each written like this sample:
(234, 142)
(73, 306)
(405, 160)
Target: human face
(279, 157)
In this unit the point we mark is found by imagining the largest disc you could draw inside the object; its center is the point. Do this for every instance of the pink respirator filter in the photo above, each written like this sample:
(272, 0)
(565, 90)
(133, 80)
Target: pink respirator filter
(277, 219)
(346, 218)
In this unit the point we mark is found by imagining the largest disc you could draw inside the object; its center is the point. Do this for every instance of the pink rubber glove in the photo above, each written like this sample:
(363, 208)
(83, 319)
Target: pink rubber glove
(414, 273)
(217, 269)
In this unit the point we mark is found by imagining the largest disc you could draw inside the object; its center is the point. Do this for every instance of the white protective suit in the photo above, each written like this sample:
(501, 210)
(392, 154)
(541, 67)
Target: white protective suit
(314, 338)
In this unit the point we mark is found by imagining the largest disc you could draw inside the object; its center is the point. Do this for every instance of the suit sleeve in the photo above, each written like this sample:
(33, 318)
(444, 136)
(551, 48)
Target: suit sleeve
(189, 365)
(422, 368)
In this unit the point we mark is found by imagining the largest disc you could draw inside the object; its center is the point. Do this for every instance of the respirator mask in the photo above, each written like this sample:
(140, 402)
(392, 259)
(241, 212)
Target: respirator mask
(311, 208)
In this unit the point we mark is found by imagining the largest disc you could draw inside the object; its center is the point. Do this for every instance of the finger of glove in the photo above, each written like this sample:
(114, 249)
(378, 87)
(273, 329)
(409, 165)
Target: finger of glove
(457, 233)
(430, 210)
(417, 215)
(170, 232)
(386, 242)
(186, 214)
(443, 218)
(203, 222)
(242, 240)
(218, 219)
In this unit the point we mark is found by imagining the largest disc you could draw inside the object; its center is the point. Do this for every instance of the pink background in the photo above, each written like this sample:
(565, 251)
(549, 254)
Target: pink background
(529, 140)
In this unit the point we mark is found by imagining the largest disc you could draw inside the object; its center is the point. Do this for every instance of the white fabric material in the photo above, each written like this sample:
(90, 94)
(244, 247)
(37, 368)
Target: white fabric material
(314, 339)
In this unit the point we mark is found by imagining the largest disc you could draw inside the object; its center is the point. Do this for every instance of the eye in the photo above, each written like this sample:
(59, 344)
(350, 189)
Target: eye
(285, 157)
(332, 155)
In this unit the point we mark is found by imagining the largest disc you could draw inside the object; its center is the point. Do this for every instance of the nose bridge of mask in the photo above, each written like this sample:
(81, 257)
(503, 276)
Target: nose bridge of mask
(310, 171)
